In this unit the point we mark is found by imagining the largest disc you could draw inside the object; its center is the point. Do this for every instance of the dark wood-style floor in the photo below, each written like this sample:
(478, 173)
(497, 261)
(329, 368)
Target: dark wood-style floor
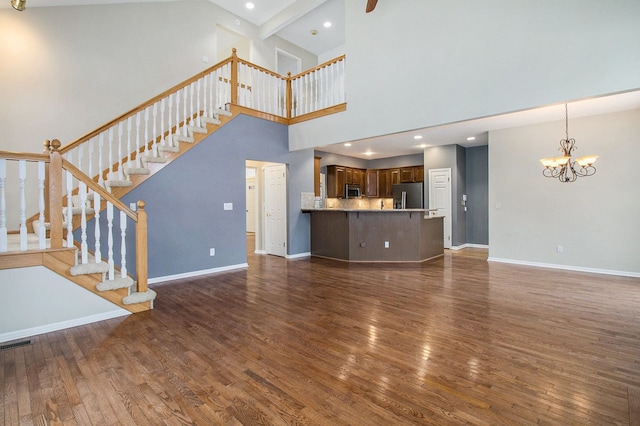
(456, 340)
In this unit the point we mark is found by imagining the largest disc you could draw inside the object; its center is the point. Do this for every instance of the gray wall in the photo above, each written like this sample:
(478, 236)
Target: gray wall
(459, 176)
(477, 170)
(185, 199)
(442, 157)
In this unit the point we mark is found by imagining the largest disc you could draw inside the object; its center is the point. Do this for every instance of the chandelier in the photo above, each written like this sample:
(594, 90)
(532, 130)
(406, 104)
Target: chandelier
(562, 167)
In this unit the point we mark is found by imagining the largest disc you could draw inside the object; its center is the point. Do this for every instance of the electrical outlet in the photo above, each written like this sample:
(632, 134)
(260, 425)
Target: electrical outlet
(212, 252)
(560, 249)
(228, 206)
(386, 244)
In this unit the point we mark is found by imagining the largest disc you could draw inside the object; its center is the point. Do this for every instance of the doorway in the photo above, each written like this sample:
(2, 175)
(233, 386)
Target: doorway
(286, 62)
(440, 198)
(266, 207)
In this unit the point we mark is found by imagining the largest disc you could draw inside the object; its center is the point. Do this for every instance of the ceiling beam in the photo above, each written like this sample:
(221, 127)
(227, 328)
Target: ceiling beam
(297, 10)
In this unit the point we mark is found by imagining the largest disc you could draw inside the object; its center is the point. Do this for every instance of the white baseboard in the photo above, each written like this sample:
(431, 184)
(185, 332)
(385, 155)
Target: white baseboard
(192, 274)
(298, 255)
(565, 267)
(468, 245)
(48, 328)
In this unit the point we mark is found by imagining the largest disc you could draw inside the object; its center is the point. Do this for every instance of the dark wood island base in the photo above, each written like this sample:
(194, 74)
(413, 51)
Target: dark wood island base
(376, 235)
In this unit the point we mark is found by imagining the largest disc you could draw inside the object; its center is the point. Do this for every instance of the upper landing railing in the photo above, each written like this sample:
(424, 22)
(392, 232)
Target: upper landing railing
(142, 134)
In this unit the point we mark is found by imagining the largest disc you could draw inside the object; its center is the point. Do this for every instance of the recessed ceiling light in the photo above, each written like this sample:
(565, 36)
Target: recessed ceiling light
(249, 5)
(368, 153)
(471, 138)
(423, 145)
(327, 24)
(347, 144)
(417, 137)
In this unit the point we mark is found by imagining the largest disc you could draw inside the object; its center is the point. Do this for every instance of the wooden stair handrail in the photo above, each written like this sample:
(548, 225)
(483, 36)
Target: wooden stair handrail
(143, 106)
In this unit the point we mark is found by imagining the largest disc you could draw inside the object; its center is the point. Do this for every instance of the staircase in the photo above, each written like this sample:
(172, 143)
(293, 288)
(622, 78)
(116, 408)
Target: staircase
(82, 183)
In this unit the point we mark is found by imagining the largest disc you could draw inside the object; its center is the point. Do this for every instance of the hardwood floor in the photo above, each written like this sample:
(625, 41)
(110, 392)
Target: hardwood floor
(456, 340)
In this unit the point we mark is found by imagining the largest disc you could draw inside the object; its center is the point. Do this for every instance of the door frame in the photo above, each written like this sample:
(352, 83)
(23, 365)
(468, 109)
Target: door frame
(285, 219)
(447, 224)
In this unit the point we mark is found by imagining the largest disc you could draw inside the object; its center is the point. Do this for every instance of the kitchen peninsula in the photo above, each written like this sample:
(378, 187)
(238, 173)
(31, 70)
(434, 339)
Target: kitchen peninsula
(376, 235)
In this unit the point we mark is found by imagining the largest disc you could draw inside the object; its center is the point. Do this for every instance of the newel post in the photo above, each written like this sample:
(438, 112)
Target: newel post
(55, 191)
(289, 96)
(142, 267)
(234, 77)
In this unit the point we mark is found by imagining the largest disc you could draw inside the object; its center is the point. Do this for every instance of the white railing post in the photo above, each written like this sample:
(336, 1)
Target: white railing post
(22, 176)
(42, 234)
(110, 241)
(96, 230)
(3, 206)
(123, 244)
(82, 196)
(69, 221)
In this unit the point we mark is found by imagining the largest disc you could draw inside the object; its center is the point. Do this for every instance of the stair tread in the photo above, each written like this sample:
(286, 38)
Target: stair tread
(118, 183)
(89, 268)
(139, 297)
(137, 171)
(150, 159)
(115, 284)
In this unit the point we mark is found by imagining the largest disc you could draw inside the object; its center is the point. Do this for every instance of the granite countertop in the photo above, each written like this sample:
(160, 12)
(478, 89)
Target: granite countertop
(370, 210)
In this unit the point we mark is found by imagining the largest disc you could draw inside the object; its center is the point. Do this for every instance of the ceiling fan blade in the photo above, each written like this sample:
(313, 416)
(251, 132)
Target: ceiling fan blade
(371, 4)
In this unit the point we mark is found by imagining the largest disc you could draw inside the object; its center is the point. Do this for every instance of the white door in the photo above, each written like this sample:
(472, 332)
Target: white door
(251, 199)
(275, 207)
(440, 198)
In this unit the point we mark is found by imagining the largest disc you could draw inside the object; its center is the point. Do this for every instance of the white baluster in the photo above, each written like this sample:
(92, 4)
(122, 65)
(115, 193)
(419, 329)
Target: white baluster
(110, 240)
(3, 206)
(154, 132)
(163, 141)
(82, 195)
(120, 143)
(69, 210)
(110, 168)
(100, 165)
(205, 96)
(146, 140)
(170, 118)
(42, 234)
(22, 175)
(96, 230)
(123, 244)
(137, 144)
(129, 129)
(184, 112)
(191, 96)
(80, 155)
(177, 115)
(90, 168)
(199, 87)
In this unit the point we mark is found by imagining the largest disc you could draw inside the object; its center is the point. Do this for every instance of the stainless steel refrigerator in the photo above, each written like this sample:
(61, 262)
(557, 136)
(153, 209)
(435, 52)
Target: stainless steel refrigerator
(408, 195)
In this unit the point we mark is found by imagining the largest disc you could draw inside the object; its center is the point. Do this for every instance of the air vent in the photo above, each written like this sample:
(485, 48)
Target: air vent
(15, 345)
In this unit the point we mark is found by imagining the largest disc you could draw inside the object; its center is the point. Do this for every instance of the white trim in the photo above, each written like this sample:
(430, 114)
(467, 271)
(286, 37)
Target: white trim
(469, 245)
(157, 280)
(56, 326)
(298, 255)
(566, 267)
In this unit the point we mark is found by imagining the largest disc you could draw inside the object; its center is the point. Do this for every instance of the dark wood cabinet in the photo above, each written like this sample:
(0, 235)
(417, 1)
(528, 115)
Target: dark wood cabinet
(384, 183)
(407, 175)
(395, 176)
(372, 183)
(336, 179)
(418, 173)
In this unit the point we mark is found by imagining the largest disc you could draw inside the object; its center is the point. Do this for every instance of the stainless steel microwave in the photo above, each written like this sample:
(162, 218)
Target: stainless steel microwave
(352, 190)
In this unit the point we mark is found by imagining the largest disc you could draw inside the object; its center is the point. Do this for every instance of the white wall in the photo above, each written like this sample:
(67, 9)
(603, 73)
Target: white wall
(36, 300)
(595, 218)
(67, 70)
(413, 64)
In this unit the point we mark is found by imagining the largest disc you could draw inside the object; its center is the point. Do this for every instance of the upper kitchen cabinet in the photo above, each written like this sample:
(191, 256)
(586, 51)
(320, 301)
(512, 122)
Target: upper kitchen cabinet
(336, 179)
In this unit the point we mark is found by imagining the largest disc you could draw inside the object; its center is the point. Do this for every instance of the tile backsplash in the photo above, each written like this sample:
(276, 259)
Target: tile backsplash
(359, 203)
